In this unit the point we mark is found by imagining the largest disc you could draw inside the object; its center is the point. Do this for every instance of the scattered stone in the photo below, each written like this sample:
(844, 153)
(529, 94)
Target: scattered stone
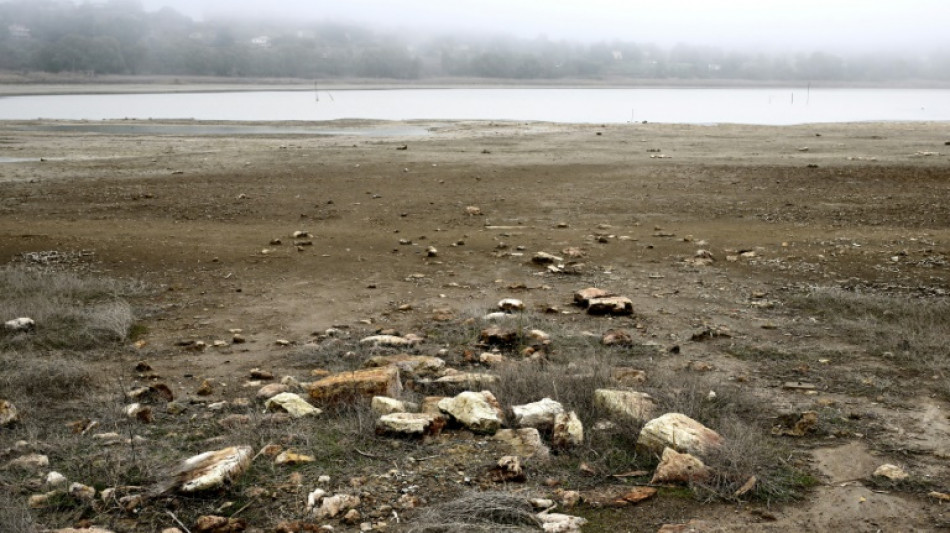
(151, 394)
(680, 432)
(393, 341)
(508, 470)
(940, 496)
(678, 467)
(615, 305)
(473, 211)
(538, 336)
(410, 424)
(798, 386)
(498, 336)
(55, 480)
(333, 506)
(616, 337)
(81, 492)
(414, 366)
(212, 470)
(31, 462)
(257, 373)
(539, 414)
(637, 406)
(234, 420)
(711, 333)
(568, 431)
(491, 358)
(628, 376)
(20, 325)
(288, 457)
(584, 296)
(617, 496)
(891, 472)
(457, 382)
(561, 523)
(292, 404)
(271, 389)
(385, 405)
(477, 411)
(142, 413)
(205, 389)
(8, 413)
(365, 383)
(796, 425)
(526, 442)
(544, 258)
(511, 304)
(238, 339)
(219, 524)
(746, 487)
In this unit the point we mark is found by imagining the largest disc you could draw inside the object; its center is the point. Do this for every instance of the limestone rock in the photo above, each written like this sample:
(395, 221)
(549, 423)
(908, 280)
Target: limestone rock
(796, 425)
(333, 506)
(511, 304)
(508, 470)
(561, 523)
(213, 470)
(614, 305)
(526, 442)
(414, 366)
(616, 337)
(477, 411)
(538, 414)
(365, 383)
(288, 457)
(219, 524)
(499, 336)
(637, 406)
(544, 258)
(584, 296)
(680, 432)
(678, 467)
(55, 480)
(271, 389)
(410, 424)
(568, 431)
(457, 382)
(20, 325)
(394, 341)
(31, 462)
(8, 413)
(891, 472)
(385, 405)
(82, 492)
(292, 404)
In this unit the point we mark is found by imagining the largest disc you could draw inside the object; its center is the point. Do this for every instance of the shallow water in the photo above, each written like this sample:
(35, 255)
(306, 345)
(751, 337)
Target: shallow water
(767, 106)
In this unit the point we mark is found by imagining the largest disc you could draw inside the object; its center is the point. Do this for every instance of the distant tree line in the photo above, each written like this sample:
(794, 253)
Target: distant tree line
(120, 37)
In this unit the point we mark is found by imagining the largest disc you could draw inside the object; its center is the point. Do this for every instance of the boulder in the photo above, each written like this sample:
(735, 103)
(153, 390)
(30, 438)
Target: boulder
(385, 405)
(561, 523)
(414, 366)
(584, 296)
(636, 406)
(568, 431)
(538, 414)
(678, 467)
(20, 325)
(613, 305)
(477, 411)
(410, 424)
(891, 472)
(8, 413)
(212, 470)
(680, 432)
(525, 442)
(364, 383)
(292, 404)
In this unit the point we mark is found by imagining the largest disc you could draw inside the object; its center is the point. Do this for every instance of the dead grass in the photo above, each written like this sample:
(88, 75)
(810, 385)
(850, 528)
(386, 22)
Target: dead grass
(15, 516)
(44, 381)
(72, 312)
(478, 512)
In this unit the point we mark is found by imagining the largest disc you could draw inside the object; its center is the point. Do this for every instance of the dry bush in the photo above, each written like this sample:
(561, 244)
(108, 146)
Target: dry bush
(71, 311)
(42, 381)
(478, 512)
(15, 516)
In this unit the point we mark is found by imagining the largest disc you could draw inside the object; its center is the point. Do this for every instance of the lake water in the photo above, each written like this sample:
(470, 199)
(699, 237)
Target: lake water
(774, 106)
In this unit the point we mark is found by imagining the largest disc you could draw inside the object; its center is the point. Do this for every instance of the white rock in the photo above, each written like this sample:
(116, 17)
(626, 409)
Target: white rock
(511, 304)
(526, 442)
(680, 432)
(55, 480)
(314, 498)
(385, 405)
(333, 506)
(637, 406)
(20, 325)
(293, 404)
(410, 424)
(891, 472)
(389, 340)
(82, 492)
(568, 431)
(561, 523)
(538, 414)
(477, 411)
(678, 467)
(214, 469)
(8, 413)
(32, 461)
(615, 305)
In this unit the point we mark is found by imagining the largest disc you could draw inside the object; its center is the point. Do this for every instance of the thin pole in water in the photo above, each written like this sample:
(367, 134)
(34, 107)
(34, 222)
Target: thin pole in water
(808, 94)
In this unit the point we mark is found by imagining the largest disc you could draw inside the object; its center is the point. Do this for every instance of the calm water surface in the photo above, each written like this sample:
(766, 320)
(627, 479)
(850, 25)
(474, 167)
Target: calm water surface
(690, 106)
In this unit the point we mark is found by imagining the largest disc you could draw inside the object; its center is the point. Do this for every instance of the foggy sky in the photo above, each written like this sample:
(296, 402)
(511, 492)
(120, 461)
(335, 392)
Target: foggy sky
(770, 25)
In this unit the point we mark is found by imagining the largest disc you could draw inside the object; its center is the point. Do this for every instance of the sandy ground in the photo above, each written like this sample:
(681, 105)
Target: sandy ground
(820, 205)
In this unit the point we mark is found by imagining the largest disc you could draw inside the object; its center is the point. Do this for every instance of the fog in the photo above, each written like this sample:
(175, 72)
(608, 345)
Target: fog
(766, 25)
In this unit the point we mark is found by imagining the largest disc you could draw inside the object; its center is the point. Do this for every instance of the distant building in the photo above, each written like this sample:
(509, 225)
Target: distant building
(263, 41)
(18, 31)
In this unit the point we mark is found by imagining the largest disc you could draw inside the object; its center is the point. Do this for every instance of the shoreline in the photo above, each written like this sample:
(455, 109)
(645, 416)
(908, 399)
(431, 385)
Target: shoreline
(11, 86)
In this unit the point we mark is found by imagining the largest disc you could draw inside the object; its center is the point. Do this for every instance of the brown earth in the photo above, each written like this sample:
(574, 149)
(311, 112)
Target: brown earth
(863, 206)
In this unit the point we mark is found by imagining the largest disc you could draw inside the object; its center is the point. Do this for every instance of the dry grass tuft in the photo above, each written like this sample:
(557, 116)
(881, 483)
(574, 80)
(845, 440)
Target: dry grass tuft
(478, 512)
